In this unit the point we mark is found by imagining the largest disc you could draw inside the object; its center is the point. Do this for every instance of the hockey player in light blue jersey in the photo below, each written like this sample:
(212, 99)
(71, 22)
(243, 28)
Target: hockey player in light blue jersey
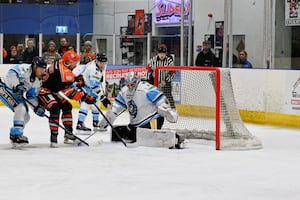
(20, 80)
(90, 78)
(146, 104)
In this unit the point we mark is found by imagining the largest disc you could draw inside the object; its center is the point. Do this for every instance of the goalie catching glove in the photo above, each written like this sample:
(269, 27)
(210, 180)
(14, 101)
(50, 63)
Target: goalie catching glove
(170, 114)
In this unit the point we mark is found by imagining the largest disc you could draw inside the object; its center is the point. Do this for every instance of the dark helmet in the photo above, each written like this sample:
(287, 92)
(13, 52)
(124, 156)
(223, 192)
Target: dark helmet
(101, 57)
(38, 62)
(161, 49)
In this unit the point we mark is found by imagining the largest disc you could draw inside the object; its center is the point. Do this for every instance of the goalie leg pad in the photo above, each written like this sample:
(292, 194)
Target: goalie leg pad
(155, 138)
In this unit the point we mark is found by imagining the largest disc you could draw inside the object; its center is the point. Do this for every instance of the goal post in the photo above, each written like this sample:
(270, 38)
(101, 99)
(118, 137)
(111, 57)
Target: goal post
(206, 107)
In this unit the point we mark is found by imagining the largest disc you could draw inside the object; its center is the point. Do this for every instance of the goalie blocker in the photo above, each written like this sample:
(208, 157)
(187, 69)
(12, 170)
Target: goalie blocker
(149, 137)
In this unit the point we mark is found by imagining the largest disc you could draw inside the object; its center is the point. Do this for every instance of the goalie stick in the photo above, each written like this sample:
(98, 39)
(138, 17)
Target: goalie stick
(112, 128)
(94, 132)
(78, 138)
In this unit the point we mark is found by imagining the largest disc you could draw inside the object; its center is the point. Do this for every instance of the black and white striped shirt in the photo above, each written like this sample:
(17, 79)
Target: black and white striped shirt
(164, 75)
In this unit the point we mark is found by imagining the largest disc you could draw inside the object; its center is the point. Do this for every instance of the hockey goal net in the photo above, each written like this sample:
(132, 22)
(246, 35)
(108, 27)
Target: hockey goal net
(206, 107)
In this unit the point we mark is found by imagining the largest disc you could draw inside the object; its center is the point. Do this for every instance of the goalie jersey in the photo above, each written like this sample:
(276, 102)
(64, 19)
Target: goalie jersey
(141, 103)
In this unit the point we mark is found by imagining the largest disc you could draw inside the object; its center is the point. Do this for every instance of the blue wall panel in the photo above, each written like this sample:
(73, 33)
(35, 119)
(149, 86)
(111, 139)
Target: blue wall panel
(35, 19)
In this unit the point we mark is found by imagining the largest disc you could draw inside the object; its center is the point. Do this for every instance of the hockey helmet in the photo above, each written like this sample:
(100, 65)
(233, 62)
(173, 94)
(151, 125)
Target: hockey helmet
(70, 59)
(70, 56)
(101, 57)
(38, 62)
(131, 80)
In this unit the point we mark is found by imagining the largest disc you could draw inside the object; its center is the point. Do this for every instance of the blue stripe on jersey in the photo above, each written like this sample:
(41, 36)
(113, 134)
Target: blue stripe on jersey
(154, 96)
(16, 69)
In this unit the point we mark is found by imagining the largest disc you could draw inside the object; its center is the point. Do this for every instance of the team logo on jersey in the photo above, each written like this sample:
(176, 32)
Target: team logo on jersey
(132, 108)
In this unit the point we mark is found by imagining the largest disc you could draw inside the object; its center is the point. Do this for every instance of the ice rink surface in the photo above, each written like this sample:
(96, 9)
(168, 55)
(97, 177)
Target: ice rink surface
(110, 171)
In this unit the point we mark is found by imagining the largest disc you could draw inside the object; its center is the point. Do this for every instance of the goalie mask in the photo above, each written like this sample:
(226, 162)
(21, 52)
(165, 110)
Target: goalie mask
(132, 81)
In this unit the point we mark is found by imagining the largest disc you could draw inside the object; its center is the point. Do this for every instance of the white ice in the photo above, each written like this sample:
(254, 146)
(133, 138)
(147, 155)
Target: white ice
(110, 171)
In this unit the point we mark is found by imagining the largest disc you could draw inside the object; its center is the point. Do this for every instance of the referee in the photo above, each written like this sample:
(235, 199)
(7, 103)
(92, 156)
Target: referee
(165, 76)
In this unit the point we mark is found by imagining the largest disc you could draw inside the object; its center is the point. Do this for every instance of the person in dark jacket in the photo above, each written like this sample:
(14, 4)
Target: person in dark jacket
(206, 57)
(30, 52)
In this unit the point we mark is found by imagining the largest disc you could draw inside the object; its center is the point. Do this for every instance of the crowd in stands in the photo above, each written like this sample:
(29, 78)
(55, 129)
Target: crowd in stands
(17, 53)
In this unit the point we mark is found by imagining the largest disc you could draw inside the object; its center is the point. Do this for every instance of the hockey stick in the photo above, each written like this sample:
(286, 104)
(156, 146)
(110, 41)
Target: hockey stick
(78, 138)
(94, 132)
(112, 128)
(61, 94)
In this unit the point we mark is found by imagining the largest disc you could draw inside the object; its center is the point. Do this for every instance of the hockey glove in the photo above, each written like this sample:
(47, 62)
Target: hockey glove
(39, 110)
(105, 101)
(88, 99)
(19, 89)
(79, 81)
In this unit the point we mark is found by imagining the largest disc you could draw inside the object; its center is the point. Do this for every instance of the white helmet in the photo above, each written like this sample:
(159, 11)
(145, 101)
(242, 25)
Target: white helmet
(132, 80)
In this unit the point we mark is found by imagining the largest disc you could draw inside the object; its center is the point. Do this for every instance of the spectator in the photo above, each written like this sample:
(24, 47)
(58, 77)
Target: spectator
(165, 76)
(4, 53)
(242, 61)
(88, 55)
(30, 52)
(51, 54)
(20, 51)
(206, 57)
(63, 46)
(12, 56)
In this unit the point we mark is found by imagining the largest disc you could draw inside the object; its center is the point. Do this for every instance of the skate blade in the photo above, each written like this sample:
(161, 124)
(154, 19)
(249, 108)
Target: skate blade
(18, 145)
(100, 129)
(81, 132)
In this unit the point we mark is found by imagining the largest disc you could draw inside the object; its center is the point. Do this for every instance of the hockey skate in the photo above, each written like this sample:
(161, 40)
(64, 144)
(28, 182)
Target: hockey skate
(82, 129)
(180, 141)
(70, 138)
(97, 128)
(18, 140)
(53, 141)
